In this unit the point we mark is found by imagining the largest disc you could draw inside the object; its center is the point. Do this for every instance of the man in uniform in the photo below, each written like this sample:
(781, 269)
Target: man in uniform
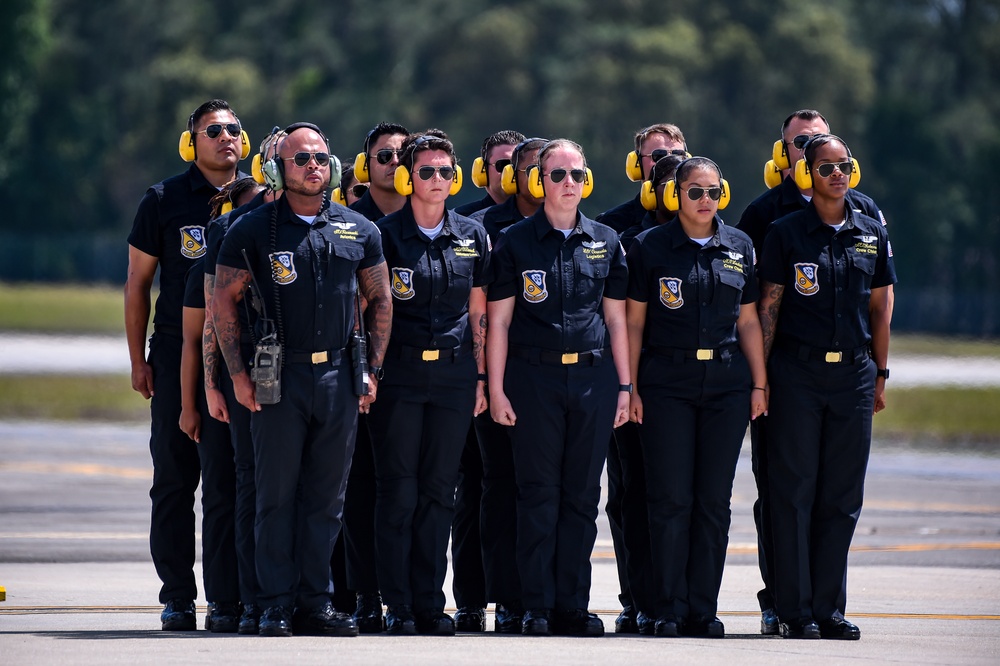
(494, 156)
(313, 253)
(376, 165)
(169, 232)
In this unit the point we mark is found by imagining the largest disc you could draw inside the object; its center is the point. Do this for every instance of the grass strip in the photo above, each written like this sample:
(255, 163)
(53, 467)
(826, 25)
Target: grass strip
(943, 413)
(71, 398)
(45, 308)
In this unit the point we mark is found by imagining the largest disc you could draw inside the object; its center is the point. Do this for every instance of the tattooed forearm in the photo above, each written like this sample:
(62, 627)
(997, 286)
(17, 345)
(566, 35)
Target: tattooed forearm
(229, 286)
(209, 344)
(767, 310)
(374, 285)
(478, 322)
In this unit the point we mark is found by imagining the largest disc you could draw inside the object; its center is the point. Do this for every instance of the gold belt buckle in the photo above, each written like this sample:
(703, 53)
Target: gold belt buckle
(705, 354)
(834, 357)
(320, 357)
(571, 358)
(430, 354)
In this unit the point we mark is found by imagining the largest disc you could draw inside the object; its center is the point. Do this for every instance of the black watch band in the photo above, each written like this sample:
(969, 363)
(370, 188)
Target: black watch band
(376, 372)
(481, 377)
(882, 372)
(627, 388)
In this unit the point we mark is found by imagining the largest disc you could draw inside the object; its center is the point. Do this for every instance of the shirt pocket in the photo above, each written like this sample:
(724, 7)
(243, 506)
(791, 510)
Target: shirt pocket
(344, 264)
(862, 271)
(729, 290)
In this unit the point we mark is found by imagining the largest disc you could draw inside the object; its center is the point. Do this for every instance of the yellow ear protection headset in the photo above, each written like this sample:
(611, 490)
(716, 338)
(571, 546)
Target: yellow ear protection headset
(537, 188)
(508, 179)
(404, 181)
(186, 144)
(361, 161)
(803, 172)
(338, 197)
(671, 193)
(274, 169)
(633, 161)
(258, 159)
(647, 195)
(480, 177)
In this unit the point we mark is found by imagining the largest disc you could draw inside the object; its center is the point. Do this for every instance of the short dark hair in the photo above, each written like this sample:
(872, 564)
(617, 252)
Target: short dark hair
(211, 106)
(431, 139)
(664, 169)
(690, 164)
(804, 114)
(382, 129)
(818, 141)
(525, 146)
(501, 138)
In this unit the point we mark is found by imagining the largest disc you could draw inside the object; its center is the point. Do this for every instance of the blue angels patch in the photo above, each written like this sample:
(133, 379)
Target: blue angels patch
(193, 241)
(670, 292)
(806, 279)
(534, 286)
(283, 267)
(402, 283)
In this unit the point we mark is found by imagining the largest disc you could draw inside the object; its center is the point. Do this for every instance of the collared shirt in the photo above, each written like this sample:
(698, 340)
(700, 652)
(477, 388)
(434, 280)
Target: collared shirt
(558, 283)
(366, 206)
(693, 293)
(828, 276)
(218, 227)
(785, 199)
(648, 222)
(475, 206)
(310, 268)
(499, 217)
(170, 225)
(625, 215)
(430, 280)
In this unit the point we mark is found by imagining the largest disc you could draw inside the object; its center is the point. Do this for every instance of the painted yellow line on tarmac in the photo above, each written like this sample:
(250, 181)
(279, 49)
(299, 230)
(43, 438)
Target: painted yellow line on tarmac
(82, 469)
(751, 549)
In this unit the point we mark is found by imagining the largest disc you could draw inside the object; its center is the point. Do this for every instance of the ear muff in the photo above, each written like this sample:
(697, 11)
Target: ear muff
(671, 195)
(456, 181)
(273, 173)
(186, 146)
(361, 168)
(508, 179)
(403, 182)
(245, 141)
(535, 186)
(479, 176)
(855, 175)
(724, 199)
(226, 208)
(779, 155)
(338, 197)
(255, 169)
(772, 175)
(647, 195)
(588, 184)
(803, 178)
(633, 167)
(273, 170)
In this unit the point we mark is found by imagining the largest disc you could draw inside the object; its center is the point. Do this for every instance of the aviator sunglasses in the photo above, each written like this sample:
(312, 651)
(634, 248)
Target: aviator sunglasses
(385, 155)
(215, 129)
(696, 193)
(301, 159)
(660, 153)
(826, 170)
(427, 172)
(500, 165)
(576, 174)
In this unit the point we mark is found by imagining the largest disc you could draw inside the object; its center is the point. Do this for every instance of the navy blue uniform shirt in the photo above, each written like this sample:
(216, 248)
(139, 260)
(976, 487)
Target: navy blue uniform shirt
(475, 206)
(312, 268)
(170, 225)
(693, 293)
(558, 283)
(431, 280)
(366, 206)
(497, 218)
(623, 216)
(218, 227)
(828, 276)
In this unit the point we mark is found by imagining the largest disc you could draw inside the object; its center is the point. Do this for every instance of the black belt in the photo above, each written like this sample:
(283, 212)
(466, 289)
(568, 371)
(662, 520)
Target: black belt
(807, 353)
(549, 357)
(422, 354)
(723, 353)
(327, 356)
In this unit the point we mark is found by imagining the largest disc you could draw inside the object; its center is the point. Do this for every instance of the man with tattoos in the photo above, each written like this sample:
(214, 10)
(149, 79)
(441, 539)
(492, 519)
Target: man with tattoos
(308, 257)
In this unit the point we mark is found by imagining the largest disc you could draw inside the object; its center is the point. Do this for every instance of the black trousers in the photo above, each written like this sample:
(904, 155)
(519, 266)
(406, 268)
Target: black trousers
(419, 425)
(468, 577)
(498, 512)
(359, 514)
(176, 472)
(628, 518)
(819, 441)
(219, 561)
(762, 511)
(303, 447)
(246, 489)
(695, 415)
(565, 416)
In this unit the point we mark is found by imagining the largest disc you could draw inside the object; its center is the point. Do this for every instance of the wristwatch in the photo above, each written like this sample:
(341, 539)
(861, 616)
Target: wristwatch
(882, 372)
(376, 372)
(627, 388)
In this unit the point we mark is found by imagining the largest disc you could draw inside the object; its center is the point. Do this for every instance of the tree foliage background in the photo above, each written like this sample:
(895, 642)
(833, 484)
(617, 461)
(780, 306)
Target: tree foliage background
(93, 97)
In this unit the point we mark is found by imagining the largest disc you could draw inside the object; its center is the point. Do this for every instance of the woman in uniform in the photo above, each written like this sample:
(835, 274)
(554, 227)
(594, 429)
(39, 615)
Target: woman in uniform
(697, 354)
(558, 361)
(431, 385)
(825, 276)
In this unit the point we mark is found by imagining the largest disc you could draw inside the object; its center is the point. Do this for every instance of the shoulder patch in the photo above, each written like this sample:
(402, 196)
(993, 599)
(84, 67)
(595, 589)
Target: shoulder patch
(402, 283)
(283, 267)
(534, 286)
(806, 279)
(671, 294)
(193, 241)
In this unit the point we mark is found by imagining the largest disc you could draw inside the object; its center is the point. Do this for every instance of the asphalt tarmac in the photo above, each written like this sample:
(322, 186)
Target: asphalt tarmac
(924, 578)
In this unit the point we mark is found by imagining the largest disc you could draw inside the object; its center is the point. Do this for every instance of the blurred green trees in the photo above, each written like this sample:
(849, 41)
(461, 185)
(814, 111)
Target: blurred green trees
(94, 95)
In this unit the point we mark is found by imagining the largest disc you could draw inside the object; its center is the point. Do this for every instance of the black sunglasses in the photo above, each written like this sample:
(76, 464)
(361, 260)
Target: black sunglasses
(385, 155)
(826, 170)
(427, 172)
(359, 190)
(696, 193)
(499, 165)
(576, 174)
(660, 153)
(215, 129)
(301, 159)
(801, 140)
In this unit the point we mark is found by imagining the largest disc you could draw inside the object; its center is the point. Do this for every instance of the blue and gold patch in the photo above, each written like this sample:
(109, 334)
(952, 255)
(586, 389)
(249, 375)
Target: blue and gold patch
(670, 292)
(806, 279)
(534, 286)
(193, 241)
(283, 267)
(402, 283)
